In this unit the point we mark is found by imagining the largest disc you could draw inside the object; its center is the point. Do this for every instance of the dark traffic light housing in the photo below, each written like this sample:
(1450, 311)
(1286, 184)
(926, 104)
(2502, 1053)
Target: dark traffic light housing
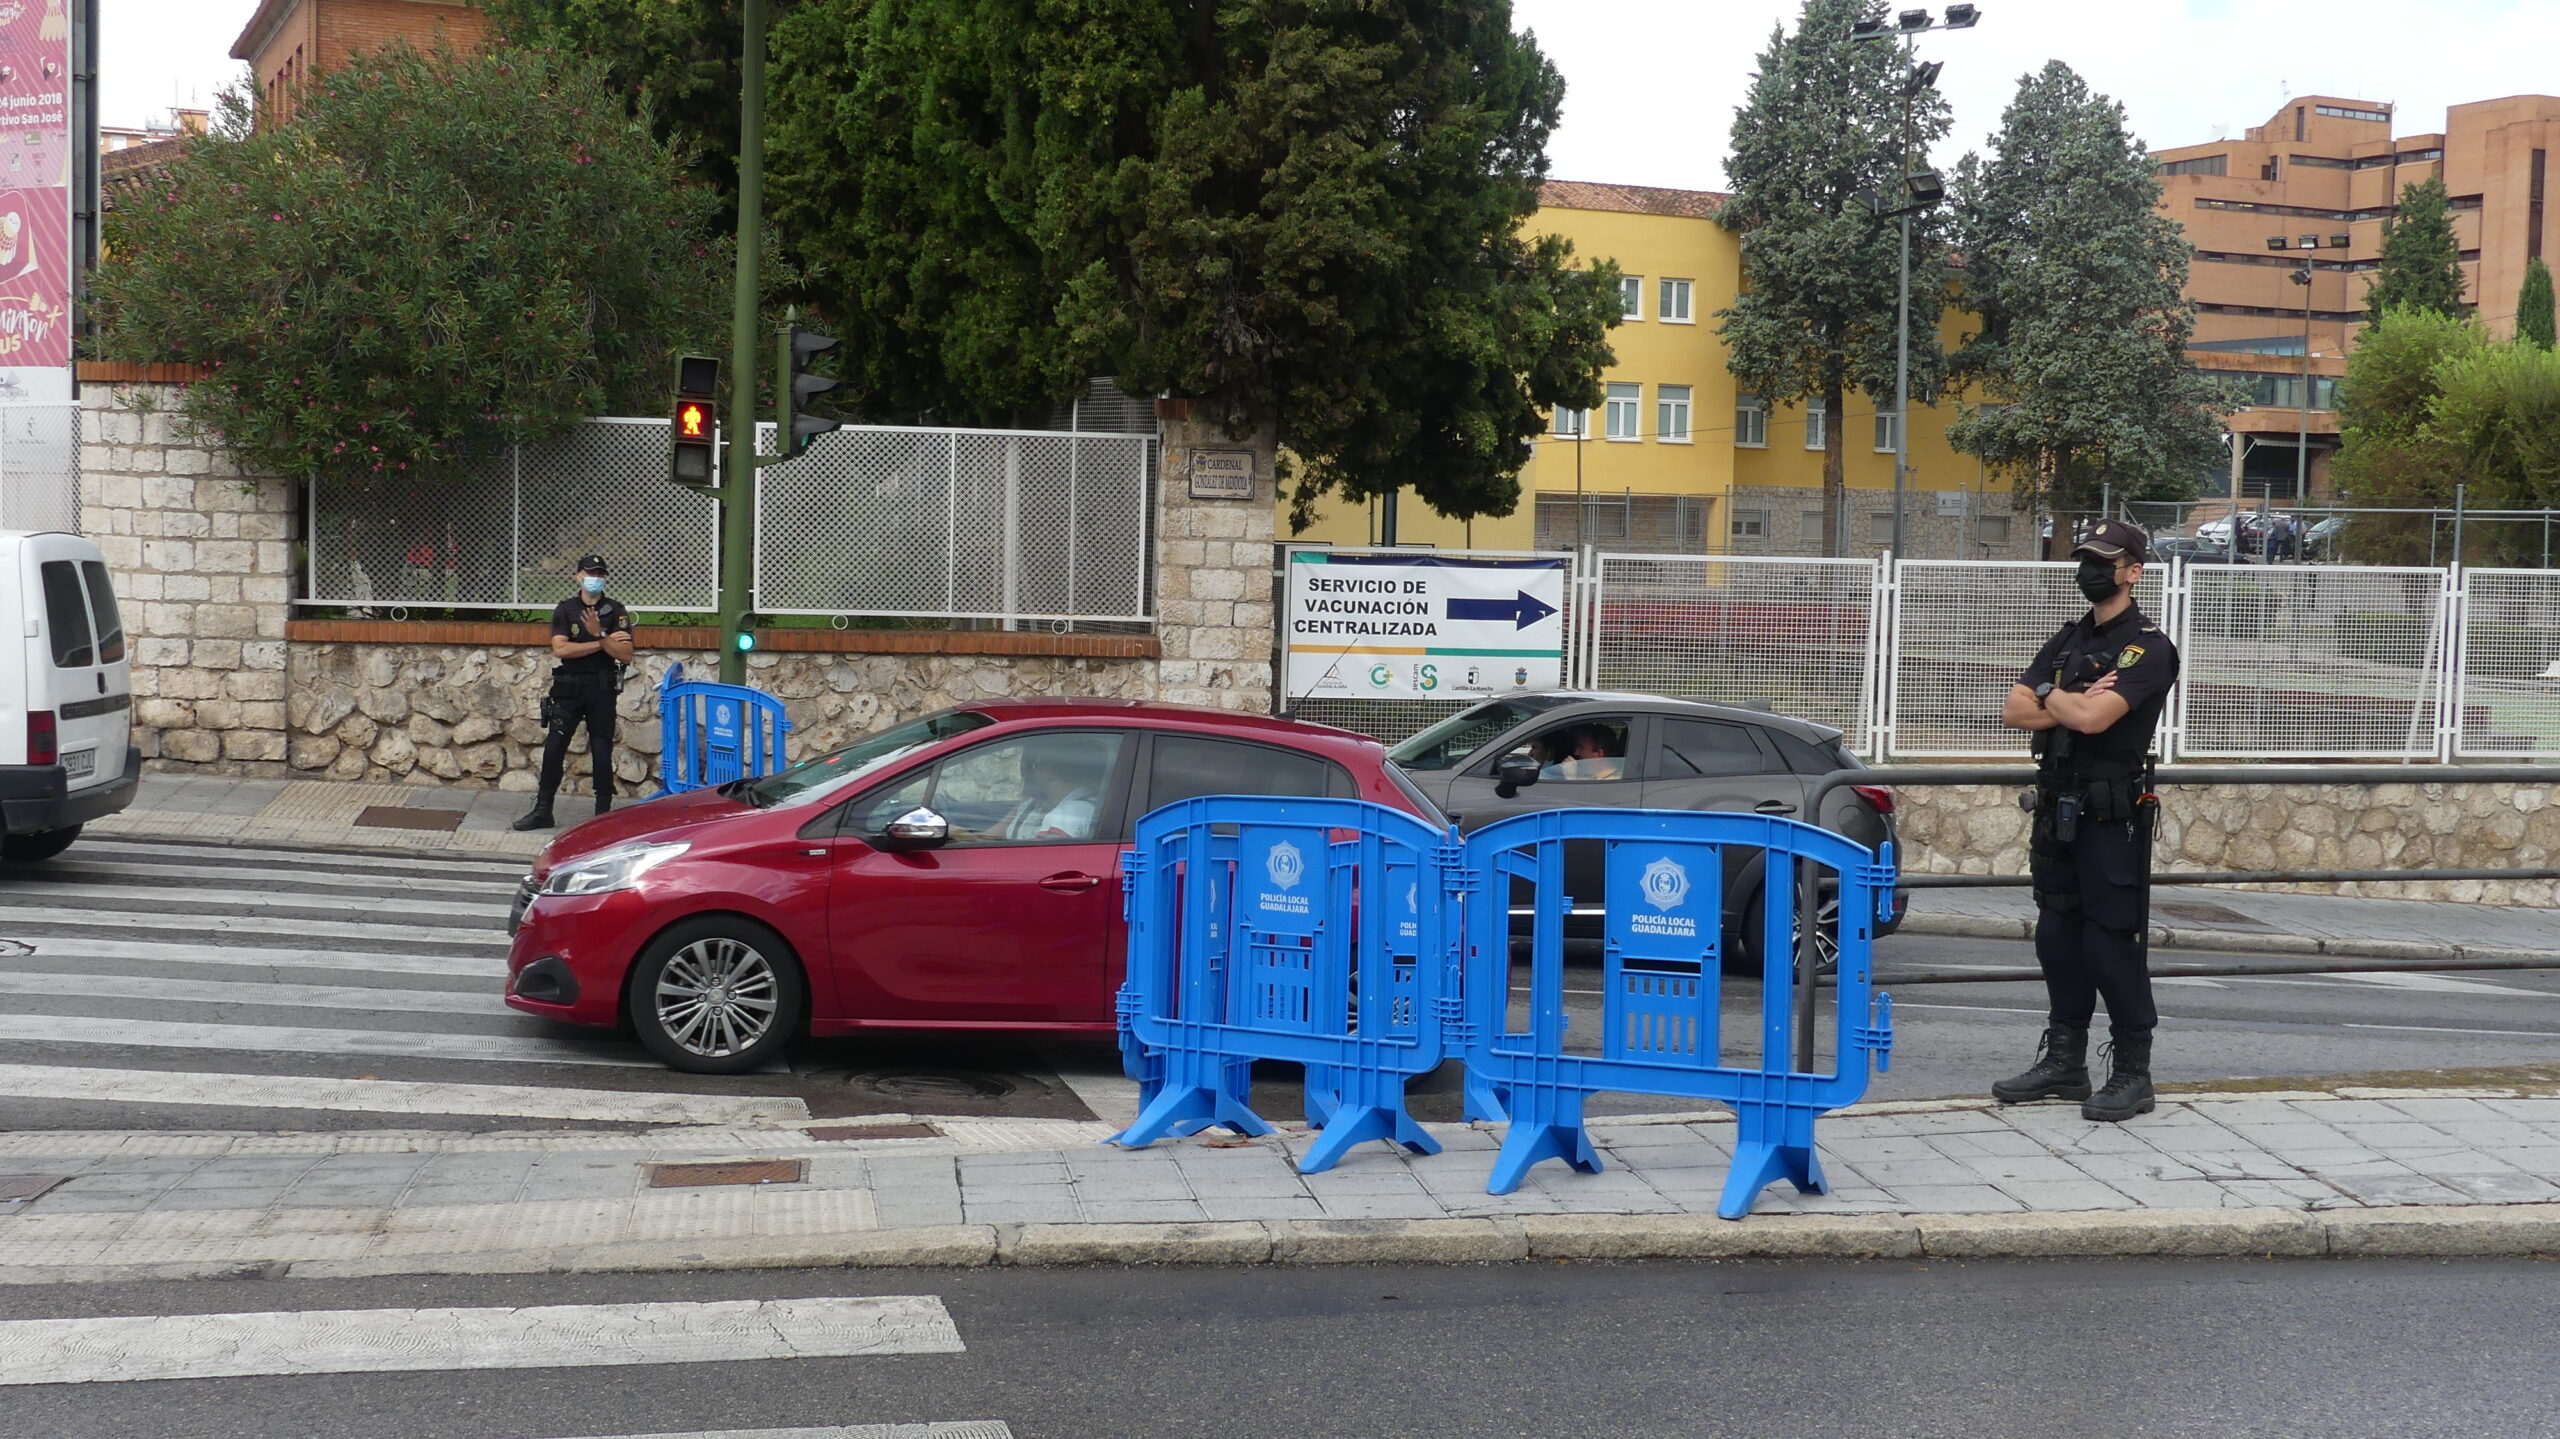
(800, 428)
(695, 426)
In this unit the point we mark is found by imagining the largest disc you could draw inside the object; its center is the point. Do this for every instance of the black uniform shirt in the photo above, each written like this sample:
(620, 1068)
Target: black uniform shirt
(2145, 664)
(569, 620)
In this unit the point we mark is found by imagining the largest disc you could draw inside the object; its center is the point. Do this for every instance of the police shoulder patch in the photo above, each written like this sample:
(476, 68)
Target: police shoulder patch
(2132, 654)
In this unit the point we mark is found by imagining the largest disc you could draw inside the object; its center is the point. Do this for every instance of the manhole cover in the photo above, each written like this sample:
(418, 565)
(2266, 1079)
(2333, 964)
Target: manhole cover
(385, 816)
(749, 1171)
(932, 1084)
(20, 1188)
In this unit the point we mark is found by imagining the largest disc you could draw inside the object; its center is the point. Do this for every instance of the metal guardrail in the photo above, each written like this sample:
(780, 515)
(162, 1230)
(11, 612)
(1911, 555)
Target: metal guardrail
(2024, 775)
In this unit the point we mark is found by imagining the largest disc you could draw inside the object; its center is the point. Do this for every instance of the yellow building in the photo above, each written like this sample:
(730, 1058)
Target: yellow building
(1677, 459)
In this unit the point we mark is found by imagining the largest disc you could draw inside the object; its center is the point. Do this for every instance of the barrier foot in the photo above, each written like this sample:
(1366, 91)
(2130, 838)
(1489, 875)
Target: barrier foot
(1547, 1124)
(1184, 1110)
(1354, 1124)
(1762, 1158)
(1324, 1095)
(1484, 1102)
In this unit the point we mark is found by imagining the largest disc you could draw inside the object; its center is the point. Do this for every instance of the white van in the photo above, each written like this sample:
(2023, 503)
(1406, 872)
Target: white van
(66, 695)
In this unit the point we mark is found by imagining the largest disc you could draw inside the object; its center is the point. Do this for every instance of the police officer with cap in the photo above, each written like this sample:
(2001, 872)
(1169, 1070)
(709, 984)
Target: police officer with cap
(2092, 698)
(591, 637)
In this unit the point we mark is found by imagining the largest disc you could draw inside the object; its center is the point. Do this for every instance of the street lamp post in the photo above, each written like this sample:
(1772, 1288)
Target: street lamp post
(2302, 416)
(1925, 190)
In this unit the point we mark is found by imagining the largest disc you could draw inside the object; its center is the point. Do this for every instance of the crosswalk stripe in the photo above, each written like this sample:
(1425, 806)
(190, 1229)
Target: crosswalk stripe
(16, 921)
(67, 870)
(273, 1039)
(489, 965)
(156, 895)
(390, 1096)
(225, 991)
(955, 1429)
(286, 860)
(373, 1341)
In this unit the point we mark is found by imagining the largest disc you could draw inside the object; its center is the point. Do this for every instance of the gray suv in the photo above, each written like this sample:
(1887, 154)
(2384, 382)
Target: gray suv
(1522, 753)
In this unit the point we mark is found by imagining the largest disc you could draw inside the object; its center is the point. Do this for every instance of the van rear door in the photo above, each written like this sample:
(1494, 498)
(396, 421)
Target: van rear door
(76, 665)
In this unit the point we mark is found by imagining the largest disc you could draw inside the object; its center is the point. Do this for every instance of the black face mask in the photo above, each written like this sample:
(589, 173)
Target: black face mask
(2097, 580)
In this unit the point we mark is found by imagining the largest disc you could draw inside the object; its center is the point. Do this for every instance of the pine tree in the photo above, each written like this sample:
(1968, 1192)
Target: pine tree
(1825, 119)
(2075, 279)
(2534, 317)
(2421, 260)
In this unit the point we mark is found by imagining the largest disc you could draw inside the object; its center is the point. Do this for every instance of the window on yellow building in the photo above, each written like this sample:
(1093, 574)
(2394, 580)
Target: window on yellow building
(1750, 421)
(1674, 309)
(1671, 414)
(1991, 530)
(1884, 433)
(1751, 524)
(1624, 421)
(1573, 424)
(1631, 296)
(1815, 432)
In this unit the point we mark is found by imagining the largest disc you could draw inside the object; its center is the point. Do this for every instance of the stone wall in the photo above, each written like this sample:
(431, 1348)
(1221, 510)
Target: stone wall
(204, 565)
(1979, 829)
(469, 714)
(1213, 573)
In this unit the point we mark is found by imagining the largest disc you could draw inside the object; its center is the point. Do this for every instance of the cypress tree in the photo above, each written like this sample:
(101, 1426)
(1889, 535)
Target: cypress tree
(2421, 260)
(2534, 318)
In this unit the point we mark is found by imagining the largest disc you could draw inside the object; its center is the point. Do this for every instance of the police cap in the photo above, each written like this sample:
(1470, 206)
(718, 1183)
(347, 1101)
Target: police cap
(591, 565)
(2114, 539)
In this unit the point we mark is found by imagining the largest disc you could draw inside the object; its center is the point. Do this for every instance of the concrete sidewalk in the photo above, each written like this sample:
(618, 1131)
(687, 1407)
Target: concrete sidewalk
(2309, 1173)
(320, 814)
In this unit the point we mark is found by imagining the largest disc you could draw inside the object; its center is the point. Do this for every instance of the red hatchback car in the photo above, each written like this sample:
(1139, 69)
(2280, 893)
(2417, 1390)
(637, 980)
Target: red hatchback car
(959, 872)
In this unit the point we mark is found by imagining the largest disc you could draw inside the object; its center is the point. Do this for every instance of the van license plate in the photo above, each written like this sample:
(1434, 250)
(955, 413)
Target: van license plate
(79, 764)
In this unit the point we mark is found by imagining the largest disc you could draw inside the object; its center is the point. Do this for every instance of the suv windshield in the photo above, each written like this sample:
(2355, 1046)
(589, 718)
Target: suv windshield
(1447, 744)
(833, 771)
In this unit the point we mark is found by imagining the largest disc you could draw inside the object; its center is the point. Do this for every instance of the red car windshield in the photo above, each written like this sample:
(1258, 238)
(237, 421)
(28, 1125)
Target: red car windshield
(834, 770)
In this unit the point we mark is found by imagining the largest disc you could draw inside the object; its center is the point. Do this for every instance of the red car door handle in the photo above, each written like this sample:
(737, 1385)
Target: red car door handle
(1071, 882)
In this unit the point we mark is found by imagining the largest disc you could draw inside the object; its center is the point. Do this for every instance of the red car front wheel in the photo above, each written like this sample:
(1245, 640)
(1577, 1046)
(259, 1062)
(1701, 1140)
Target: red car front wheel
(718, 995)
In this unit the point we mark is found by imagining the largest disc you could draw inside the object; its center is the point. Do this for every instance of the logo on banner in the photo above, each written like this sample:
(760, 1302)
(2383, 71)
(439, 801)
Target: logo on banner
(1286, 864)
(1380, 676)
(1665, 884)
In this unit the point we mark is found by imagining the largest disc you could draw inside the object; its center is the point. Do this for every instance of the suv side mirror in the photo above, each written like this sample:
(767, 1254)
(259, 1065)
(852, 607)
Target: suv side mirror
(1513, 773)
(918, 828)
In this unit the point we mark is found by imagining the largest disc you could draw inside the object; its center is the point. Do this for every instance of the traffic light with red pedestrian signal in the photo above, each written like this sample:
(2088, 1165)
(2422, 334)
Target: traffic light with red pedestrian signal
(695, 427)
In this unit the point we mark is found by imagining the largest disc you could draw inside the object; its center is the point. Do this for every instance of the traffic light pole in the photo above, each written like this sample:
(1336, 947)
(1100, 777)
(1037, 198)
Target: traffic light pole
(738, 474)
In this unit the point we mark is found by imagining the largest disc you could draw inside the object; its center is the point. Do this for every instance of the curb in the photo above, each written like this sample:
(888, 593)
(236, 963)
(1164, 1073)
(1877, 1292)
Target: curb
(1966, 926)
(2414, 1231)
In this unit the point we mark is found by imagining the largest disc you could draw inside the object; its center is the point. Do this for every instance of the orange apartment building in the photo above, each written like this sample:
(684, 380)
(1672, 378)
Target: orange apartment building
(288, 41)
(2330, 167)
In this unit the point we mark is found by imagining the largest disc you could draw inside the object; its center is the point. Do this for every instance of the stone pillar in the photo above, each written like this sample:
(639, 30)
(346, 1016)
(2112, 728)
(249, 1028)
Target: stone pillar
(202, 559)
(1213, 569)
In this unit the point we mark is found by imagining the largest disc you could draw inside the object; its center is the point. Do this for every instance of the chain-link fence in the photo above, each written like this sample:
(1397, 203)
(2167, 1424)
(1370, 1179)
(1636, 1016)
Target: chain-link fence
(958, 524)
(1961, 633)
(1797, 634)
(507, 533)
(2507, 696)
(2311, 662)
(40, 467)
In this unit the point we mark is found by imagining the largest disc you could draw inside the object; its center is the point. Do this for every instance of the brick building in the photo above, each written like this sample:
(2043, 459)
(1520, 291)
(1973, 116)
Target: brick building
(288, 41)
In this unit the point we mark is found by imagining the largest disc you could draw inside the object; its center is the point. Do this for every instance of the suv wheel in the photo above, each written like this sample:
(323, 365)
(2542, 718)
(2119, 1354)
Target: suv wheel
(1745, 945)
(43, 844)
(718, 995)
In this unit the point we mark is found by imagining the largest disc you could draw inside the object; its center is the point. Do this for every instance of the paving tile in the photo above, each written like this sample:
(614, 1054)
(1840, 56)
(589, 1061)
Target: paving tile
(1268, 1206)
(1953, 1199)
(1991, 1143)
(2283, 1193)
(67, 1200)
(2076, 1194)
(2542, 1159)
(2008, 1170)
(1382, 1206)
(2101, 1139)
(2299, 1134)
(2151, 1165)
(2545, 1111)
(2505, 1187)
(1900, 1174)
(975, 1171)
(912, 1169)
(899, 1208)
(2493, 1134)
(838, 1171)
(2386, 1189)
(985, 1211)
(2350, 1164)
(192, 1198)
(2176, 1193)
(2455, 1161)
(2403, 1134)
(2242, 1164)
(2446, 1109)
(1861, 1150)
(2346, 1111)
(1135, 1211)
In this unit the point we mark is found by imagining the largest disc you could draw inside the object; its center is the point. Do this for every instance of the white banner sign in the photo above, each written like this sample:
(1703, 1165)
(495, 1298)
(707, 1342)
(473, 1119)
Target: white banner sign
(1406, 626)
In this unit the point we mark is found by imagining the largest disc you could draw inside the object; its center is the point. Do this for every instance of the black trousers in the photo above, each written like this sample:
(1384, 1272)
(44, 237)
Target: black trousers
(2092, 906)
(575, 700)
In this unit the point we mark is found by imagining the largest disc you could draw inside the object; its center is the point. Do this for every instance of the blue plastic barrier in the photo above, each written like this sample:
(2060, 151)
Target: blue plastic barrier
(713, 733)
(1255, 933)
(1661, 1008)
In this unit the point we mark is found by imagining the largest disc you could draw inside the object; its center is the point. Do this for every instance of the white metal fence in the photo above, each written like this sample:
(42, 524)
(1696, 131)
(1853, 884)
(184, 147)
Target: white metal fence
(1800, 634)
(873, 521)
(40, 467)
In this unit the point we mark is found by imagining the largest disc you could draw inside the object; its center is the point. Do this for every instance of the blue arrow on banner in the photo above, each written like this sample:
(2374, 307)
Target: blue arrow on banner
(1524, 611)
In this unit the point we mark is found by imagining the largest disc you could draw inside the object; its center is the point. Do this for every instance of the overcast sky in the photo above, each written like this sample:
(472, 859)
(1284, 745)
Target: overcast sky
(1652, 83)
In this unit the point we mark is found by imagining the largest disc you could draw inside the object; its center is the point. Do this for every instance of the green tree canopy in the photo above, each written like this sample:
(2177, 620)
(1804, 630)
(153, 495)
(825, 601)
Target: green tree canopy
(2534, 316)
(1303, 214)
(2421, 261)
(1825, 119)
(438, 254)
(2076, 280)
(2390, 455)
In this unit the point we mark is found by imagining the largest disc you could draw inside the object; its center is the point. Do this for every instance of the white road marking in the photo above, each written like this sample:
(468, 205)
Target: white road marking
(17, 920)
(2435, 984)
(225, 991)
(171, 895)
(150, 877)
(374, 1341)
(2447, 1029)
(271, 1039)
(2189, 981)
(249, 858)
(948, 1429)
(389, 1096)
(467, 966)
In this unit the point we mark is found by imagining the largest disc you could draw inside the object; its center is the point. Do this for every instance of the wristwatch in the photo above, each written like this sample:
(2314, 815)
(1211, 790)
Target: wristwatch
(2043, 690)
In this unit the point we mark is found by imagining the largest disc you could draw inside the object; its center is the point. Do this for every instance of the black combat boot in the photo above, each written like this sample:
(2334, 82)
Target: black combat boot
(2128, 1090)
(604, 802)
(2061, 1069)
(539, 817)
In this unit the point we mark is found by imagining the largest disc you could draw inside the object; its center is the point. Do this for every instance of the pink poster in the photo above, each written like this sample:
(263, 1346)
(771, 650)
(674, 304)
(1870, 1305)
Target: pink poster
(35, 200)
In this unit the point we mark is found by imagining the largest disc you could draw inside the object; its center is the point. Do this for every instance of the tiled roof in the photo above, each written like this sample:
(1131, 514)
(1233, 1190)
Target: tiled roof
(126, 171)
(1630, 199)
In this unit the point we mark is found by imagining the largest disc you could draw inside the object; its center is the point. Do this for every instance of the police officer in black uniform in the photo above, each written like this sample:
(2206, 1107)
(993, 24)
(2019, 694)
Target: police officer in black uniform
(2092, 699)
(591, 637)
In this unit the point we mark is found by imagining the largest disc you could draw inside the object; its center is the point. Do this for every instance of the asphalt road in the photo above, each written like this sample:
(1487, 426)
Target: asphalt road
(2126, 1349)
(173, 986)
